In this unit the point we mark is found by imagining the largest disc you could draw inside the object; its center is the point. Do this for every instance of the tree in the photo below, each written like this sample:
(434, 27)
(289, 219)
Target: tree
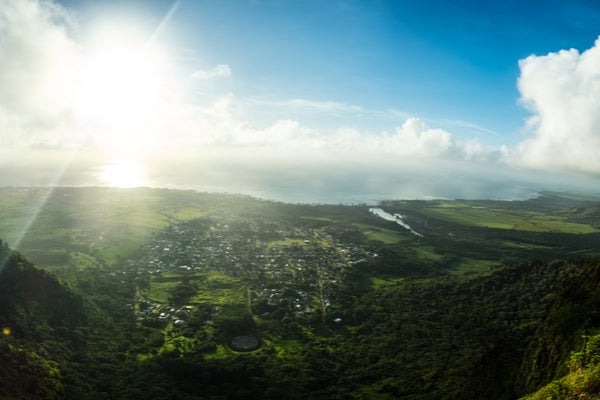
(182, 293)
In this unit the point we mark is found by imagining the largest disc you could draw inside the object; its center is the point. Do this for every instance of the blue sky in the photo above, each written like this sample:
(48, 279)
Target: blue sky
(443, 61)
(373, 98)
(439, 60)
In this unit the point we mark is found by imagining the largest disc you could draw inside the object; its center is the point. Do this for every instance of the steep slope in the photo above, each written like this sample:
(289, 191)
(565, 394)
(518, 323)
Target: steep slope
(451, 337)
(574, 314)
(583, 380)
(39, 319)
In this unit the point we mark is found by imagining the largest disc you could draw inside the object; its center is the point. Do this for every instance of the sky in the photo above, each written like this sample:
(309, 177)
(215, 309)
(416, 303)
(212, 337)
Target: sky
(309, 101)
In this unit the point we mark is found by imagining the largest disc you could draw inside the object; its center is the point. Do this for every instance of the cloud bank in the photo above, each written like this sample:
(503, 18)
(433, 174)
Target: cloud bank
(562, 90)
(37, 56)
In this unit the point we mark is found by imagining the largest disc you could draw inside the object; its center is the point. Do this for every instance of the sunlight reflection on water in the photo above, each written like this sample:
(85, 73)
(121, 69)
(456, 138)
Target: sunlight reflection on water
(123, 174)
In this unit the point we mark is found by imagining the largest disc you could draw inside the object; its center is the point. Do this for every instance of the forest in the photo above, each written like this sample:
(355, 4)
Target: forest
(154, 294)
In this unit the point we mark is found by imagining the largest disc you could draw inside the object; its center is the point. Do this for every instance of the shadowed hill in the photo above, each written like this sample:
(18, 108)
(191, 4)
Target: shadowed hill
(39, 319)
(34, 303)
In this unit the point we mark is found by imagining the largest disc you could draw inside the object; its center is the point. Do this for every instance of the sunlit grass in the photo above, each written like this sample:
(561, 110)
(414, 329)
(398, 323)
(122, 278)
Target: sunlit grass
(377, 282)
(471, 265)
(523, 246)
(110, 224)
(214, 288)
(221, 352)
(287, 242)
(428, 252)
(384, 235)
(467, 214)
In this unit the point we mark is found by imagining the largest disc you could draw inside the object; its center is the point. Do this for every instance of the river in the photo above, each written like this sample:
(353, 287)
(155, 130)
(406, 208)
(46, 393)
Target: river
(397, 218)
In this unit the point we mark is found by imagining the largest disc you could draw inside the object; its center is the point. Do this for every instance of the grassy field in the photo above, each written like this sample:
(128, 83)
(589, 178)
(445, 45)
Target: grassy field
(58, 227)
(467, 265)
(429, 253)
(287, 242)
(387, 236)
(220, 289)
(521, 220)
(109, 224)
(160, 288)
(213, 288)
(377, 282)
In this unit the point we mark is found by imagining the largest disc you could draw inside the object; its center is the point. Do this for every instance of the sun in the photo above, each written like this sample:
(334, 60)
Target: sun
(120, 81)
(122, 86)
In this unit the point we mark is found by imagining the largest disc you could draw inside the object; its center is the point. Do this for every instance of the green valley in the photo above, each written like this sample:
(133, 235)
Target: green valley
(153, 293)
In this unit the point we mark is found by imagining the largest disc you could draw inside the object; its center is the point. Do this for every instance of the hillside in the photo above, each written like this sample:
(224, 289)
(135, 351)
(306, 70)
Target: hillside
(454, 338)
(40, 321)
(561, 346)
(582, 382)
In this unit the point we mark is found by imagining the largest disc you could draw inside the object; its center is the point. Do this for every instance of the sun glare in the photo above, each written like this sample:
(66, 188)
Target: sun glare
(121, 90)
(120, 80)
(123, 174)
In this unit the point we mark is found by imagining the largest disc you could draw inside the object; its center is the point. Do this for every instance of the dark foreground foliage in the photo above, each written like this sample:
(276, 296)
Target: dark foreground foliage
(442, 337)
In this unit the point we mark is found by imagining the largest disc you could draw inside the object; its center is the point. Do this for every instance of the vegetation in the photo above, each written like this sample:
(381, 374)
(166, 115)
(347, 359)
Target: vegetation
(583, 379)
(566, 351)
(342, 303)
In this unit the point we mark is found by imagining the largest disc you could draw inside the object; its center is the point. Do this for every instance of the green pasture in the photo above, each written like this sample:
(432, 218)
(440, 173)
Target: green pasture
(468, 265)
(160, 289)
(377, 282)
(521, 220)
(110, 224)
(387, 236)
(428, 253)
(321, 219)
(287, 242)
(213, 288)
(523, 245)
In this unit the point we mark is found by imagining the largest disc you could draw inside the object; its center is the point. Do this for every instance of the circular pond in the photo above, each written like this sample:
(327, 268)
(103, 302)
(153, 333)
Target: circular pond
(245, 343)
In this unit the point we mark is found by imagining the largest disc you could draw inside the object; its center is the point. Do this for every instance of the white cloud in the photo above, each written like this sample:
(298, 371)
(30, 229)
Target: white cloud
(36, 71)
(219, 71)
(562, 90)
(413, 140)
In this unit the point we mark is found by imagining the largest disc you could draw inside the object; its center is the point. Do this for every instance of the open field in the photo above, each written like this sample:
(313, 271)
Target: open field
(467, 214)
(384, 235)
(110, 224)
(287, 242)
(58, 227)
(378, 282)
(212, 288)
(471, 265)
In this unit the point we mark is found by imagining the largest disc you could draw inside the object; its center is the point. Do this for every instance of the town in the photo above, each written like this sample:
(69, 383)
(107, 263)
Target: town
(266, 268)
